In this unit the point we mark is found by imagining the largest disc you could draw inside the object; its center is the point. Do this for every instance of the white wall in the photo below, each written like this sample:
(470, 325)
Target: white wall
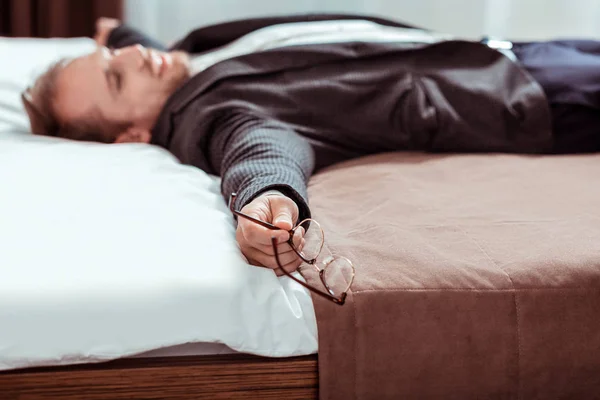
(168, 20)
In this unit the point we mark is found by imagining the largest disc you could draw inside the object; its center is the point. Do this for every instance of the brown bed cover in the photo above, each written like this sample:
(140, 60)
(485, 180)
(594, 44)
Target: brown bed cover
(477, 277)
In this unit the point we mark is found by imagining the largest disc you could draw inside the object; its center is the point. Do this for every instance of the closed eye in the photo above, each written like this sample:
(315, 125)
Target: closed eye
(114, 80)
(118, 79)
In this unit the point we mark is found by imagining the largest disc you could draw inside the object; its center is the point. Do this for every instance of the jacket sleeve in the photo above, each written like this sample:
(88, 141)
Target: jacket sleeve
(253, 155)
(123, 36)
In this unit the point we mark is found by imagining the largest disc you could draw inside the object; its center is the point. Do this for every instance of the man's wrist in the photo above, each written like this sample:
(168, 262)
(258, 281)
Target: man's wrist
(246, 195)
(271, 192)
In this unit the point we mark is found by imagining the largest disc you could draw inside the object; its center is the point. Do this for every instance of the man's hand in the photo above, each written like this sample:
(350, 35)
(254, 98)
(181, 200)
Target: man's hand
(255, 240)
(104, 26)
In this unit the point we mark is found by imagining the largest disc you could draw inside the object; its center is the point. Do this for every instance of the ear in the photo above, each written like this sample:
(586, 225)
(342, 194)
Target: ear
(134, 135)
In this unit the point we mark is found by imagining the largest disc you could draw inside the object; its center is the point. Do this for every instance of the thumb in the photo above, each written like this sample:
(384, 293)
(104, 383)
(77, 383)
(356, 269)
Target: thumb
(282, 209)
(283, 218)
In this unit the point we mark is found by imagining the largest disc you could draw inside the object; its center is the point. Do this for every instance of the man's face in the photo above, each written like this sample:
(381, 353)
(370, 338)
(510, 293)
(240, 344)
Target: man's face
(128, 86)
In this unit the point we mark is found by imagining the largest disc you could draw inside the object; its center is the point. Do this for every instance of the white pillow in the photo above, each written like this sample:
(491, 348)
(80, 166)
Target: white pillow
(112, 250)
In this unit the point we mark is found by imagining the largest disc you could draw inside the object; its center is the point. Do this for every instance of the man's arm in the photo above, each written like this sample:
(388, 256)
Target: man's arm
(258, 159)
(253, 155)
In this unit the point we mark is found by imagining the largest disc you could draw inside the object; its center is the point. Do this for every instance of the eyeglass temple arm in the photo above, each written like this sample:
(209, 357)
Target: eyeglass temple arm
(340, 301)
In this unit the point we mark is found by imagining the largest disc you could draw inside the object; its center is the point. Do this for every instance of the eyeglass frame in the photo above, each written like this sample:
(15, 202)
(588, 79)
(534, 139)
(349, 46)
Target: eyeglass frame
(329, 296)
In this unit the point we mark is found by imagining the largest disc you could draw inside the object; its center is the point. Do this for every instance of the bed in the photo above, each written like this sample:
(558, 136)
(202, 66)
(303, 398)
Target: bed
(477, 276)
(136, 260)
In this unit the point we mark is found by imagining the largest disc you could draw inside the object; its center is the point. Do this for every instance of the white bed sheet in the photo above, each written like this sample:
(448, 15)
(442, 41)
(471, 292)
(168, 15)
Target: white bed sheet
(109, 251)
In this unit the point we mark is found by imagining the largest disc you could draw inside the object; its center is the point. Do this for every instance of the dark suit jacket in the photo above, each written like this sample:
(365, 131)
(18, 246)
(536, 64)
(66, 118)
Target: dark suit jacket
(268, 120)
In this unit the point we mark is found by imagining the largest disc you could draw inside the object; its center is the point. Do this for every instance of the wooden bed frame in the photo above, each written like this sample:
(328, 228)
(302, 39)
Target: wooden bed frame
(232, 376)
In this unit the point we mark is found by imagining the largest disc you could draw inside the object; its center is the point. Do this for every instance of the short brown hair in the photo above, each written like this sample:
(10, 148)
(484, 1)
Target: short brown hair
(39, 102)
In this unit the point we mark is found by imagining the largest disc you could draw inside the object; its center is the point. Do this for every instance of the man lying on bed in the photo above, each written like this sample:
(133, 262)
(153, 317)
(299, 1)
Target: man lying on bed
(296, 94)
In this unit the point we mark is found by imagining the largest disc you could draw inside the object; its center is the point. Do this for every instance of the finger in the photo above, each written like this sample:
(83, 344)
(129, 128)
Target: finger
(259, 235)
(269, 261)
(286, 259)
(299, 246)
(291, 267)
(282, 209)
(282, 248)
(298, 236)
(253, 262)
(252, 253)
(300, 230)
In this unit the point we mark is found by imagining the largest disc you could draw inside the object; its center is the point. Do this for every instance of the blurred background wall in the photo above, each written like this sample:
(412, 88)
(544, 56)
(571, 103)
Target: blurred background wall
(515, 19)
(171, 19)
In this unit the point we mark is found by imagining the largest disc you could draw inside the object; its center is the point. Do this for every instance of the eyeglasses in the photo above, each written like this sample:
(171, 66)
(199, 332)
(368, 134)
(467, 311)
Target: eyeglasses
(336, 272)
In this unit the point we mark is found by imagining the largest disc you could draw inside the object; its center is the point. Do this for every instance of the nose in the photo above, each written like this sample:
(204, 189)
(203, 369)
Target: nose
(136, 55)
